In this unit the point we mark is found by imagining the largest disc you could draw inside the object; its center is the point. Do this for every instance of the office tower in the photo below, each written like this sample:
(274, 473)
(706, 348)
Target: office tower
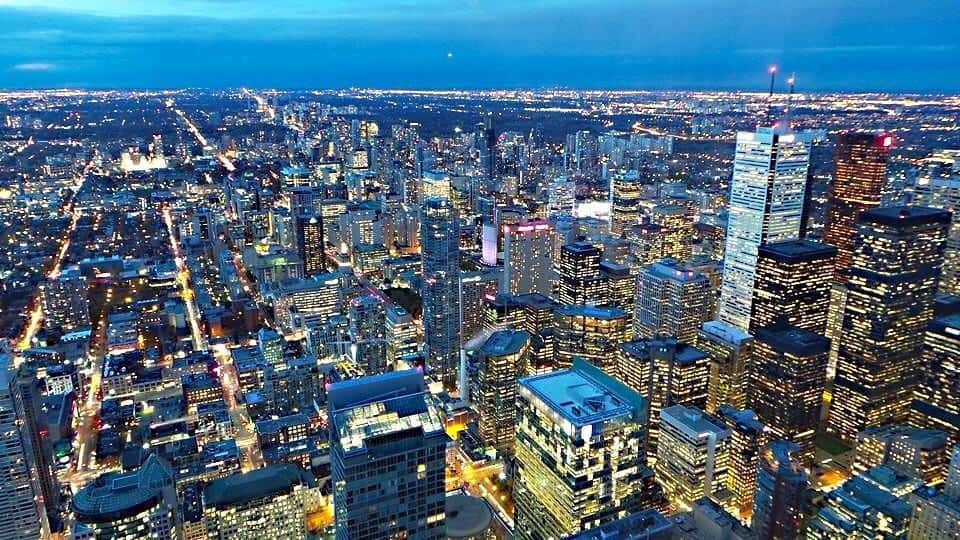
(311, 245)
(538, 319)
(26, 390)
(920, 453)
(780, 502)
(263, 503)
(936, 399)
(20, 513)
(676, 230)
(731, 358)
(620, 285)
(64, 301)
(485, 140)
(859, 175)
(646, 245)
(766, 205)
(667, 372)
(591, 333)
(579, 452)
(747, 438)
(298, 300)
(693, 455)
(938, 186)
(872, 504)
(302, 200)
(892, 283)
(936, 514)
(672, 300)
(561, 197)
(528, 257)
(400, 333)
(789, 375)
(474, 288)
(792, 285)
(626, 192)
(440, 288)
(500, 363)
(368, 333)
(136, 504)
(271, 347)
(578, 274)
(386, 433)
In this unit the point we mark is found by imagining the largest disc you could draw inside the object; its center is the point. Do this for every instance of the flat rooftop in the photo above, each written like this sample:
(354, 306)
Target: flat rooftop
(797, 250)
(505, 342)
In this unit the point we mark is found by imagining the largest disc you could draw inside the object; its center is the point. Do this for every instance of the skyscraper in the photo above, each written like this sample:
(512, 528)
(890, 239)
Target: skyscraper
(579, 452)
(440, 288)
(936, 401)
(893, 280)
(938, 186)
(731, 353)
(859, 175)
(766, 205)
(26, 390)
(591, 333)
(386, 433)
(936, 514)
(368, 333)
(790, 374)
(311, 245)
(528, 257)
(672, 299)
(676, 230)
(578, 274)
(747, 438)
(792, 285)
(266, 502)
(502, 359)
(400, 333)
(693, 455)
(626, 191)
(20, 515)
(779, 504)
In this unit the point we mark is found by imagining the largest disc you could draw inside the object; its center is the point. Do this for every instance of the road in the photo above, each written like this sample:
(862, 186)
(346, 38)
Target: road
(183, 278)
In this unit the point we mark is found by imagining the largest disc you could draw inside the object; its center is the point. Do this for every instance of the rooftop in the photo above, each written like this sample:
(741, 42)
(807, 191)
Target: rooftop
(467, 516)
(646, 524)
(596, 312)
(797, 250)
(672, 269)
(113, 495)
(268, 481)
(793, 340)
(905, 215)
(693, 419)
(504, 342)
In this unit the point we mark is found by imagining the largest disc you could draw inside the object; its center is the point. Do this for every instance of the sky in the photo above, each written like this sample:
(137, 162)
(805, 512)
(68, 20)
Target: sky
(844, 45)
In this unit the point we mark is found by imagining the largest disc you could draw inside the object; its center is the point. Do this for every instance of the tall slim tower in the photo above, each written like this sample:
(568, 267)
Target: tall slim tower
(311, 244)
(20, 515)
(626, 190)
(938, 186)
(859, 173)
(528, 257)
(440, 288)
(782, 483)
(766, 205)
(892, 282)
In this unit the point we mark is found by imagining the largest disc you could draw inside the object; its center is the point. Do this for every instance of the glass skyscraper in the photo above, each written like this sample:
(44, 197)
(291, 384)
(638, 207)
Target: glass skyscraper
(440, 288)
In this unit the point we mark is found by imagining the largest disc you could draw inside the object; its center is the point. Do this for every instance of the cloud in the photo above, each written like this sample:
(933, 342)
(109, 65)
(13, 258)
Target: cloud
(35, 66)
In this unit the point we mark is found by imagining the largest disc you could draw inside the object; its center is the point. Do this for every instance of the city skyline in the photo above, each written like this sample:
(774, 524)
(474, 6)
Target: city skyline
(429, 44)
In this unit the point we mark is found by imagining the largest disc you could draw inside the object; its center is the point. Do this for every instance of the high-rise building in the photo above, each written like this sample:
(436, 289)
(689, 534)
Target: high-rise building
(780, 501)
(938, 186)
(936, 514)
(368, 333)
(271, 347)
(20, 514)
(859, 176)
(789, 375)
(668, 373)
(676, 230)
(936, 401)
(440, 288)
(892, 283)
(579, 452)
(266, 502)
(872, 504)
(731, 358)
(137, 504)
(311, 245)
(64, 301)
(400, 333)
(388, 458)
(27, 390)
(646, 245)
(920, 453)
(591, 333)
(626, 192)
(501, 361)
(792, 285)
(475, 287)
(578, 274)
(766, 205)
(528, 257)
(672, 300)
(561, 196)
(747, 438)
(620, 286)
(693, 455)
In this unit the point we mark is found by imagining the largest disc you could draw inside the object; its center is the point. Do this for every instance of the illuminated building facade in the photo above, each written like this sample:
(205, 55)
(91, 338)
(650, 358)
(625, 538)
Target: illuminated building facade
(591, 333)
(937, 513)
(859, 176)
(668, 373)
(676, 230)
(626, 191)
(747, 438)
(938, 186)
(579, 452)
(672, 300)
(789, 376)
(781, 496)
(368, 333)
(440, 288)
(693, 455)
(64, 301)
(891, 287)
(731, 358)
(578, 274)
(385, 432)
(401, 334)
(620, 286)
(263, 503)
(475, 287)
(872, 504)
(528, 257)
(20, 515)
(920, 453)
(501, 361)
(311, 245)
(792, 285)
(936, 400)
(766, 205)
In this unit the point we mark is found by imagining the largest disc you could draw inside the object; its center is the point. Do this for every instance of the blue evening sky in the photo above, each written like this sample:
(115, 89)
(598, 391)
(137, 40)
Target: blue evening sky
(908, 45)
